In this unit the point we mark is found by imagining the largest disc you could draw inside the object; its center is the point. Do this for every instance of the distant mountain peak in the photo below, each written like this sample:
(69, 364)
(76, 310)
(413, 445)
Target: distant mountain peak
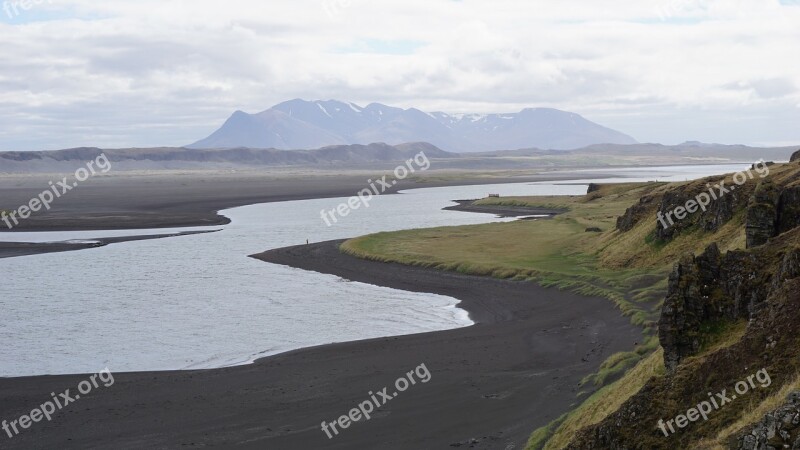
(303, 124)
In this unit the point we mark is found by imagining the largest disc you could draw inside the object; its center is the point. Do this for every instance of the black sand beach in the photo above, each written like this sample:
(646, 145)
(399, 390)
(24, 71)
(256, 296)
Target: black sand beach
(491, 383)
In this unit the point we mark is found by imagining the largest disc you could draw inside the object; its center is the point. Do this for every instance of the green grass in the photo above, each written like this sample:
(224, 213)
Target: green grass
(617, 364)
(629, 268)
(539, 251)
(555, 253)
(605, 401)
(540, 437)
(753, 414)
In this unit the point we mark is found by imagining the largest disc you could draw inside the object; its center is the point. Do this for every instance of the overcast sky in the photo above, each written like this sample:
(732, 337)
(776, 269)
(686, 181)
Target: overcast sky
(116, 73)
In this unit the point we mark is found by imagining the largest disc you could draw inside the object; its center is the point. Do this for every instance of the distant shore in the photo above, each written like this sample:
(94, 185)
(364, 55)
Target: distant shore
(184, 199)
(13, 249)
(503, 210)
(188, 199)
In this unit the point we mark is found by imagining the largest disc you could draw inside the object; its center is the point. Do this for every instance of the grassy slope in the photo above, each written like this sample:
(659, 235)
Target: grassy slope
(599, 405)
(557, 252)
(629, 268)
(554, 252)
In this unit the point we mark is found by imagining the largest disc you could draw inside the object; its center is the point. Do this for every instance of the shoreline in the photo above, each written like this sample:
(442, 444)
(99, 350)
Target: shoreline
(504, 211)
(129, 202)
(16, 249)
(492, 383)
(169, 211)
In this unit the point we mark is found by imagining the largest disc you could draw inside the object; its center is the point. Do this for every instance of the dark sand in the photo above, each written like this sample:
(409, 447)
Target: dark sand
(492, 383)
(184, 199)
(188, 199)
(12, 249)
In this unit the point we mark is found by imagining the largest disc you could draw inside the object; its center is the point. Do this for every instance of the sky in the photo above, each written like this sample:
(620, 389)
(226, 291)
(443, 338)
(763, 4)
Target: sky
(149, 73)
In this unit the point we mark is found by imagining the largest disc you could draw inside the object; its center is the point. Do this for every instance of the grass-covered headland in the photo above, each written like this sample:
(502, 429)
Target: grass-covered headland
(704, 319)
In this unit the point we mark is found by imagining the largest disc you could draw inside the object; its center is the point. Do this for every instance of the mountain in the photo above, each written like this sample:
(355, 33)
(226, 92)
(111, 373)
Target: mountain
(300, 124)
(383, 156)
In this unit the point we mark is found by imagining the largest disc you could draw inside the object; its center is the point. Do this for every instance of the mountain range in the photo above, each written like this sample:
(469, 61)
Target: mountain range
(301, 124)
(380, 156)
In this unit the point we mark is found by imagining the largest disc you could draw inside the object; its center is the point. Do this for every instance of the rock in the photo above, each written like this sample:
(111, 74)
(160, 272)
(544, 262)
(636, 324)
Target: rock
(765, 163)
(778, 429)
(706, 288)
(718, 213)
(771, 212)
(789, 268)
(762, 214)
(594, 230)
(789, 209)
(795, 156)
(635, 214)
(593, 187)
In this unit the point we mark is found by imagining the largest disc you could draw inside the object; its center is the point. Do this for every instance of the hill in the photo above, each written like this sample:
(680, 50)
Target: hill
(717, 293)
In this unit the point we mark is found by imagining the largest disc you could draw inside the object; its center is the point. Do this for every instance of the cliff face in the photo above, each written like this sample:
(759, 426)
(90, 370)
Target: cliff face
(772, 210)
(709, 218)
(789, 208)
(705, 289)
(770, 343)
(758, 287)
(713, 288)
(762, 214)
(769, 208)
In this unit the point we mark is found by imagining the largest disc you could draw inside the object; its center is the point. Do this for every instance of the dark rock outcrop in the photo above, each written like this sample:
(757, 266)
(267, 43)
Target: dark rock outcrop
(594, 230)
(704, 289)
(771, 208)
(769, 343)
(795, 156)
(788, 269)
(726, 316)
(789, 209)
(593, 187)
(777, 430)
(762, 214)
(710, 218)
(712, 287)
(635, 213)
(772, 211)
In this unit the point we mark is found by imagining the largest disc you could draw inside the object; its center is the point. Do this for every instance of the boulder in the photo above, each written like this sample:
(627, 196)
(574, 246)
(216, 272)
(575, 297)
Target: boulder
(780, 428)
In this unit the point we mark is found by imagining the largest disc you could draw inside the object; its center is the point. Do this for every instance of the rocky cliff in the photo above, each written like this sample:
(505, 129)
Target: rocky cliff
(726, 316)
(770, 207)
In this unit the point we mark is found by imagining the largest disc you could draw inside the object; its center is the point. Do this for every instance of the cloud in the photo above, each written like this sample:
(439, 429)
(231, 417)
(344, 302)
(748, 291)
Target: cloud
(147, 72)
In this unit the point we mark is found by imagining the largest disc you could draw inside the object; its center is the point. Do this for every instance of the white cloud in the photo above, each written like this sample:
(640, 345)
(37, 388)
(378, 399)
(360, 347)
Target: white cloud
(146, 72)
